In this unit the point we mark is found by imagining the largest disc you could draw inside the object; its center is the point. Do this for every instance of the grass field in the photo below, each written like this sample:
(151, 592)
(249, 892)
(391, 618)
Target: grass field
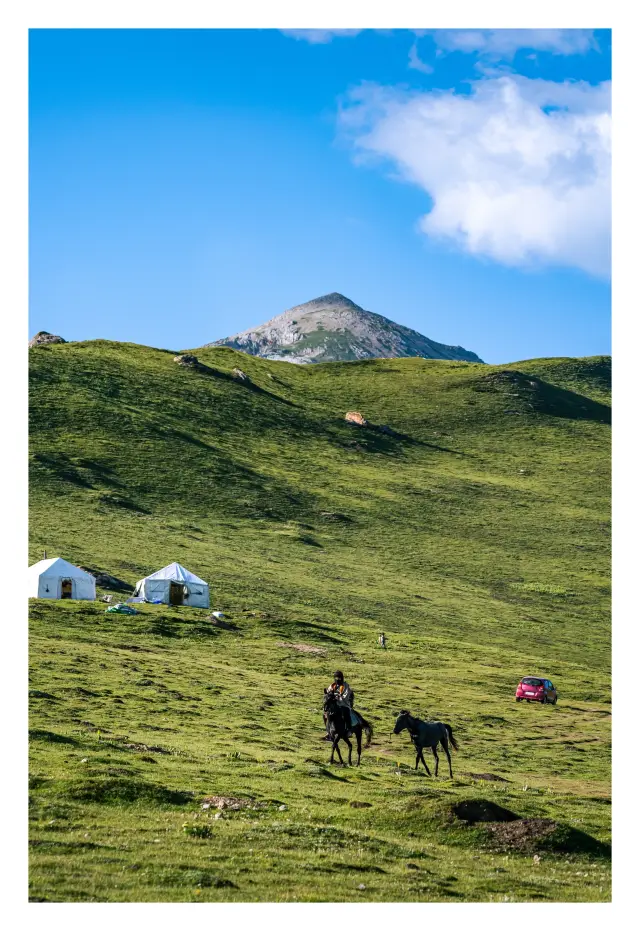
(476, 535)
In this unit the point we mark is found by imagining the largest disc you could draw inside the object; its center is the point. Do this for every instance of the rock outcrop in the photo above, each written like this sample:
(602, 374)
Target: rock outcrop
(45, 339)
(187, 359)
(333, 328)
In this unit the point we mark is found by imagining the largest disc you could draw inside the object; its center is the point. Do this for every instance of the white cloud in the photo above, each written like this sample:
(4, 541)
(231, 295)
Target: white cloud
(518, 170)
(416, 62)
(492, 42)
(506, 42)
(319, 36)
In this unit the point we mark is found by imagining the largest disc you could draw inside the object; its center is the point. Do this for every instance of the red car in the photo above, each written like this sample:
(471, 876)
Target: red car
(531, 688)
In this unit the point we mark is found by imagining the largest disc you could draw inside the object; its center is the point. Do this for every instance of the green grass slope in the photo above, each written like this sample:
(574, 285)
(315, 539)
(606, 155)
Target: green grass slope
(475, 534)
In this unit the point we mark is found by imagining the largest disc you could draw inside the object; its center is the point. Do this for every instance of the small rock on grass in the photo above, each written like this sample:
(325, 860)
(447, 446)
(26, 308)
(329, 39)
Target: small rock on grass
(224, 801)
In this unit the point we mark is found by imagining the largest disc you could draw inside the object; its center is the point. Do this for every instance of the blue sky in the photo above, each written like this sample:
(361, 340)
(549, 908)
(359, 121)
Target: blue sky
(185, 185)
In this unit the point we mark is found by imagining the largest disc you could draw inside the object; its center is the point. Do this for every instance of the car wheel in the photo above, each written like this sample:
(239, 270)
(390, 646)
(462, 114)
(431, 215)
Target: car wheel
(518, 699)
(555, 700)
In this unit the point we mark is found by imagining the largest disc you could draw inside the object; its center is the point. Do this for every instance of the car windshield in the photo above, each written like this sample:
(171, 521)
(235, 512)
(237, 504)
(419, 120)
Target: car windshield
(532, 681)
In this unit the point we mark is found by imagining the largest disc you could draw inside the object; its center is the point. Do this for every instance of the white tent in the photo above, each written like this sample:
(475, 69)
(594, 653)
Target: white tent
(57, 578)
(174, 585)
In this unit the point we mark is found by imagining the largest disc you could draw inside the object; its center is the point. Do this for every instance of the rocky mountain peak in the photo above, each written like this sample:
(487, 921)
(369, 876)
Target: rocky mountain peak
(333, 328)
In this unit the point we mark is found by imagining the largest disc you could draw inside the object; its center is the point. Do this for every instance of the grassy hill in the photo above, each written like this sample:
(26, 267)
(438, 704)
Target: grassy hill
(475, 534)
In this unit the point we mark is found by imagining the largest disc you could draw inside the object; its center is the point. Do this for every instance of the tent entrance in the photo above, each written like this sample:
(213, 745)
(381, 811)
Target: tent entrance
(66, 588)
(176, 593)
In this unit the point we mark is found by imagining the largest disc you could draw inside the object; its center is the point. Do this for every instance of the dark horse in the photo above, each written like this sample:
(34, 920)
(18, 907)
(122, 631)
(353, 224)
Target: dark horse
(427, 734)
(340, 727)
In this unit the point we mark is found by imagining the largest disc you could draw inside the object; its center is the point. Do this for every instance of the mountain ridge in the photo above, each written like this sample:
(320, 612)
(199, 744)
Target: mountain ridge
(333, 328)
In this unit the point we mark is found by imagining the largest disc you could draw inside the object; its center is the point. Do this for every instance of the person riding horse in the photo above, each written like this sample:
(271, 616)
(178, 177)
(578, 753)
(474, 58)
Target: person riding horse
(342, 722)
(345, 697)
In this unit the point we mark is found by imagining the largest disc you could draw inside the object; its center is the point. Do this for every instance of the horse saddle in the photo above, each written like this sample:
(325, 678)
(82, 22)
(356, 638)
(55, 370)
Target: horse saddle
(355, 721)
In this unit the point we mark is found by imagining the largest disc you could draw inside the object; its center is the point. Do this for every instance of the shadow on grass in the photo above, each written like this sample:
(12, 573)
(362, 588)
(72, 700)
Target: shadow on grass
(566, 839)
(318, 770)
(247, 383)
(176, 627)
(66, 469)
(163, 627)
(110, 790)
(509, 831)
(385, 441)
(51, 737)
(186, 874)
(60, 467)
(299, 630)
(36, 693)
(122, 503)
(543, 398)
(59, 846)
(526, 835)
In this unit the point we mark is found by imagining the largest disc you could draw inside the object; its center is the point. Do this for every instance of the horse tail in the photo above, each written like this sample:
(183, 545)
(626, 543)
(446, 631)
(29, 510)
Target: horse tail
(452, 739)
(368, 729)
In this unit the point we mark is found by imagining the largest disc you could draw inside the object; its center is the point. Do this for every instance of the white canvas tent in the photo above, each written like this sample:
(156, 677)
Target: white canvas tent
(174, 585)
(57, 578)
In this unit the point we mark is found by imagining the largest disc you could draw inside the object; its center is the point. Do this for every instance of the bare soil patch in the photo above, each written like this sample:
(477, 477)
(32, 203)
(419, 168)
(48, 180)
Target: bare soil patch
(523, 833)
(506, 830)
(303, 648)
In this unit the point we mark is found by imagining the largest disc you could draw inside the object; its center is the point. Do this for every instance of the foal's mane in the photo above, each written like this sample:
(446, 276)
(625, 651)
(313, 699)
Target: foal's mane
(410, 720)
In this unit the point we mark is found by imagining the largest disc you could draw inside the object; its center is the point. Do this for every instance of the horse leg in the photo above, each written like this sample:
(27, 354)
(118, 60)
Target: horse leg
(418, 758)
(359, 744)
(436, 757)
(349, 745)
(424, 761)
(445, 744)
(335, 748)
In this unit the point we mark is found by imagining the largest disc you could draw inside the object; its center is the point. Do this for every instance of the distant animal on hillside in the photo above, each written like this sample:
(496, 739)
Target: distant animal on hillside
(340, 727)
(427, 734)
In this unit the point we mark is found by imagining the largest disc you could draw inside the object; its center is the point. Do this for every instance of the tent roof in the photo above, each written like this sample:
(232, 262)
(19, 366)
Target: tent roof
(59, 567)
(176, 573)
